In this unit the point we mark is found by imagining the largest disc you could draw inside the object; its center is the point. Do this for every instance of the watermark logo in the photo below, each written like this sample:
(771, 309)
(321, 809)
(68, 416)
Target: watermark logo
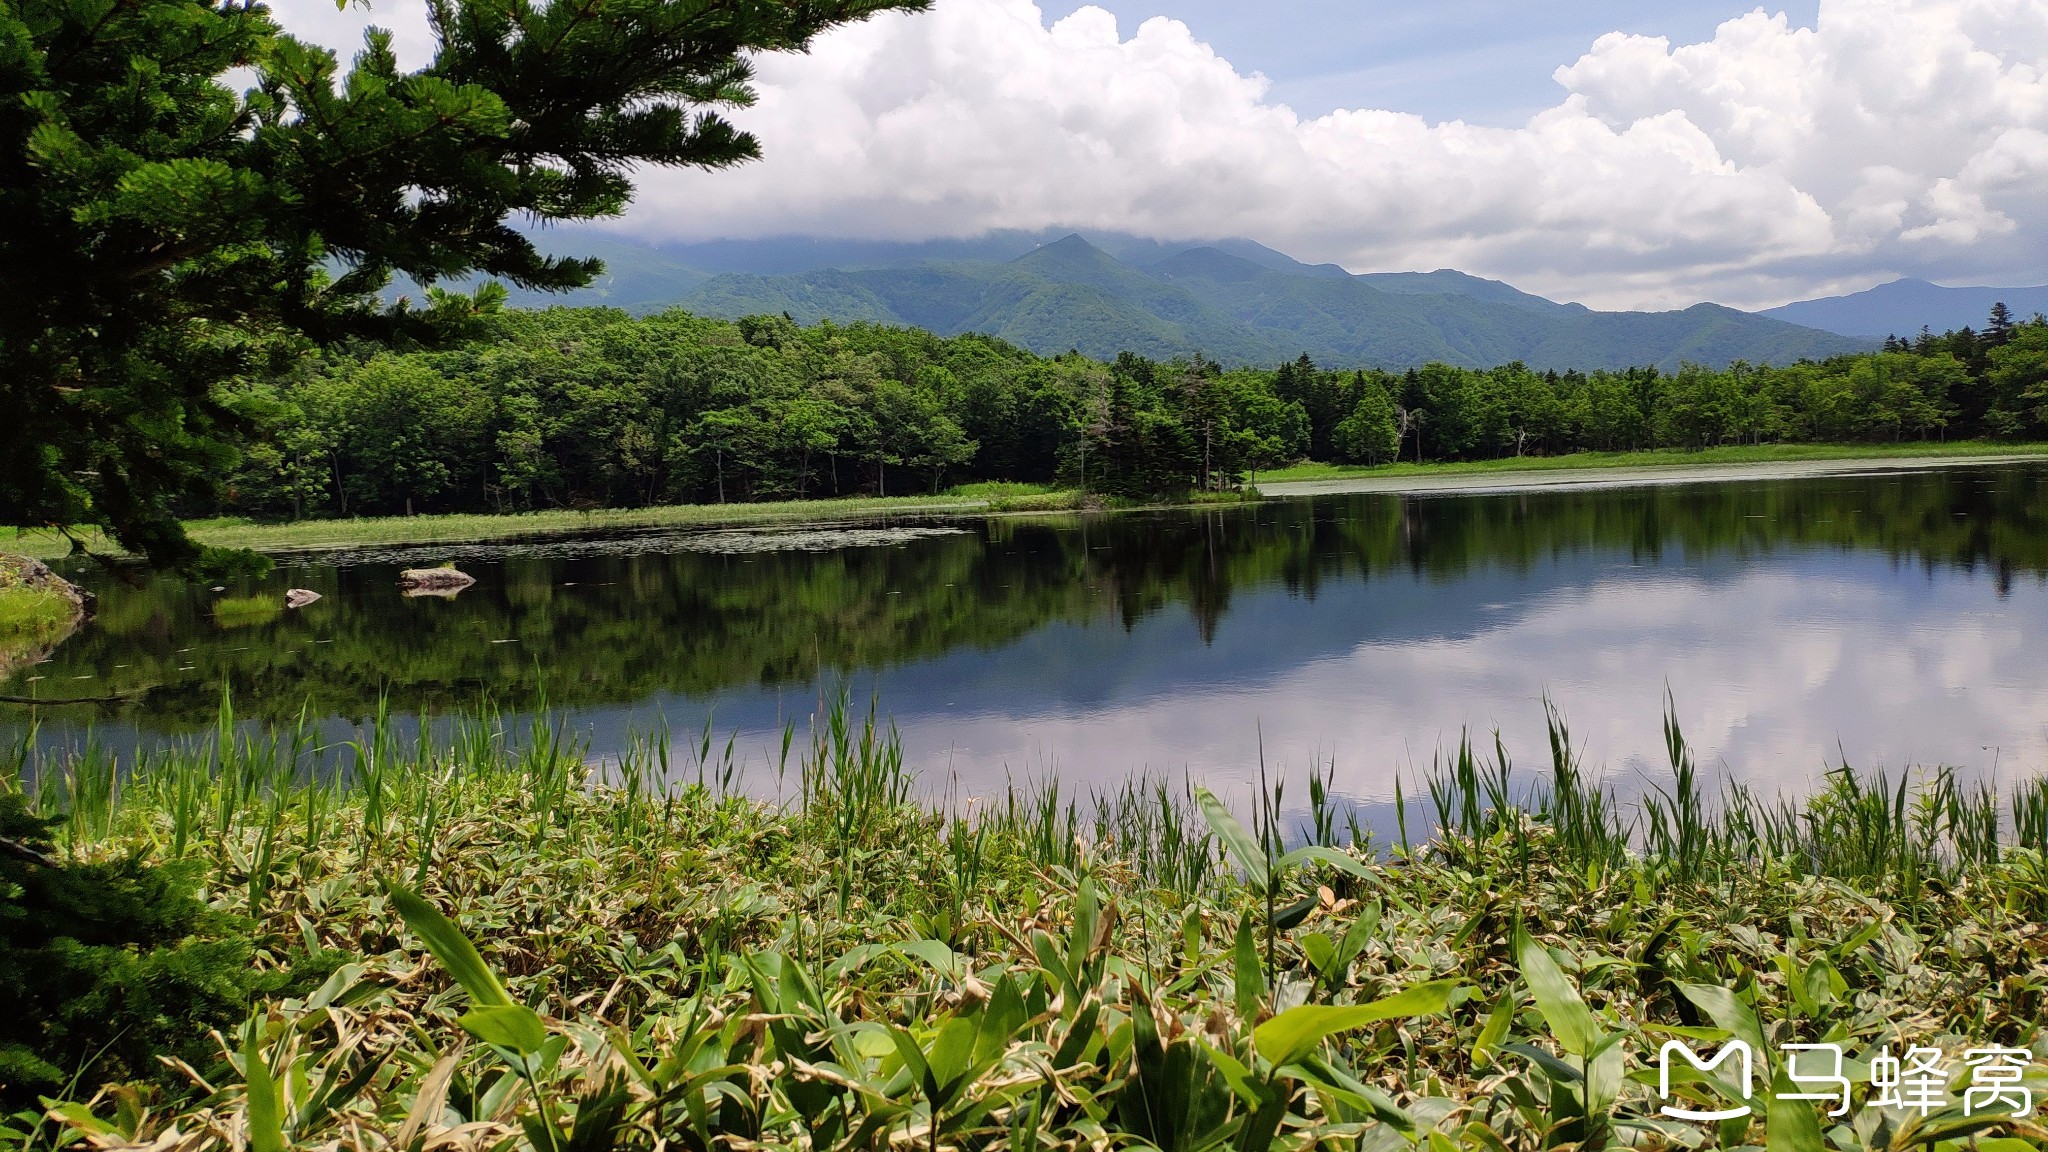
(1732, 1049)
(1919, 1081)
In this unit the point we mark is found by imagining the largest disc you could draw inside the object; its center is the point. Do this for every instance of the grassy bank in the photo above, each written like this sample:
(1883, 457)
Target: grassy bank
(1667, 457)
(463, 528)
(32, 618)
(32, 615)
(869, 965)
(997, 498)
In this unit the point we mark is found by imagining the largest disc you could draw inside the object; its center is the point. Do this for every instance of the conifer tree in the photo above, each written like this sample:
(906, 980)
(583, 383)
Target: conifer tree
(166, 236)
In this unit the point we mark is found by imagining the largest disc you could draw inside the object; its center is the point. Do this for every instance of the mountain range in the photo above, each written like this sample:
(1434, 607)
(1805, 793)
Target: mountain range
(1235, 301)
(1903, 307)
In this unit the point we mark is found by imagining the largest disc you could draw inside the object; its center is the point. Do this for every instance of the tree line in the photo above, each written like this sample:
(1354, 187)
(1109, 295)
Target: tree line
(592, 407)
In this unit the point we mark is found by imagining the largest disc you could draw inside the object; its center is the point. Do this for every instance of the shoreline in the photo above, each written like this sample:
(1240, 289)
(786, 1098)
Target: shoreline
(1620, 470)
(1625, 476)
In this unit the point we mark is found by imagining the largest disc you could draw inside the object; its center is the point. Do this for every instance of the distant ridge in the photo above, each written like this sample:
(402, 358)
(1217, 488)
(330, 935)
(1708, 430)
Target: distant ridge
(1071, 294)
(1233, 300)
(1903, 307)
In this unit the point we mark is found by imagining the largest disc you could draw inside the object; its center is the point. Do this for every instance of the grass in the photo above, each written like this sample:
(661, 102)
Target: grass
(1666, 457)
(246, 611)
(33, 614)
(31, 618)
(660, 961)
(454, 528)
(990, 498)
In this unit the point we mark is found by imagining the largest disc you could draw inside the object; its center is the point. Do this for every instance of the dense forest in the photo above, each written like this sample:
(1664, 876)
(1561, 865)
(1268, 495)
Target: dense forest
(593, 407)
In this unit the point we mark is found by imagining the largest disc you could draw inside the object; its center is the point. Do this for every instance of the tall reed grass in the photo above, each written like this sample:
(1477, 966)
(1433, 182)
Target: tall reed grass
(1867, 827)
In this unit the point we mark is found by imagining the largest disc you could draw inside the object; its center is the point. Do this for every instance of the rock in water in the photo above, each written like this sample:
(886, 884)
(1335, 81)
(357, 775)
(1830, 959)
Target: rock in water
(22, 572)
(33, 642)
(299, 597)
(446, 581)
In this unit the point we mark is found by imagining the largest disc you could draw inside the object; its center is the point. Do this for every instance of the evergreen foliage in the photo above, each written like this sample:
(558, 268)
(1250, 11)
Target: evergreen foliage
(168, 236)
(107, 965)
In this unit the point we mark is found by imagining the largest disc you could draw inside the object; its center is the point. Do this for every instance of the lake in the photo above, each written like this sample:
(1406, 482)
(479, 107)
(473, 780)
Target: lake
(1893, 619)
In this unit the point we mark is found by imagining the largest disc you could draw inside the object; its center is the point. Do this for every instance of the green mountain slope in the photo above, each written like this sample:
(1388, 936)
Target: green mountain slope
(1072, 295)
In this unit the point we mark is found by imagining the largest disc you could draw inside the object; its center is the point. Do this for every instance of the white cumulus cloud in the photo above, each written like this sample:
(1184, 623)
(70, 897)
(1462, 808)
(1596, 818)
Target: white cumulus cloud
(1772, 162)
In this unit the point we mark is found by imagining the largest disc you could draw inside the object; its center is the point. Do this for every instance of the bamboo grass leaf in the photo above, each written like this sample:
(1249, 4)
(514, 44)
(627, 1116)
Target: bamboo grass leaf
(1247, 976)
(1242, 847)
(1341, 861)
(265, 1103)
(1571, 1022)
(1495, 1029)
(1791, 1125)
(512, 1026)
(450, 947)
(1729, 1013)
(1292, 1034)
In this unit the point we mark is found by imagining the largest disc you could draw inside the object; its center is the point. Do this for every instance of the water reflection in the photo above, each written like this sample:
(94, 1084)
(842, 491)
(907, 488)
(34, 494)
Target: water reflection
(1894, 618)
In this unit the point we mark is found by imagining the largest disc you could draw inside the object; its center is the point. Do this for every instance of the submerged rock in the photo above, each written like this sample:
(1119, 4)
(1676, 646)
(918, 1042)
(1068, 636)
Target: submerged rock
(444, 581)
(299, 597)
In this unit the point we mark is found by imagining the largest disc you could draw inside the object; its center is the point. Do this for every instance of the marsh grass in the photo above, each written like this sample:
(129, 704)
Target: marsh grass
(1871, 828)
(465, 527)
(246, 611)
(638, 954)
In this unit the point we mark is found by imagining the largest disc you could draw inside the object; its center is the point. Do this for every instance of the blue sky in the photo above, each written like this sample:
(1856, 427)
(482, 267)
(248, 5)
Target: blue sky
(1483, 61)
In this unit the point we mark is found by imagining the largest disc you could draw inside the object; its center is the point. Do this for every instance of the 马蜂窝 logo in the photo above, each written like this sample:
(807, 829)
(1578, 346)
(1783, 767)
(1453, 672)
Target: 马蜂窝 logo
(1918, 1082)
(1732, 1049)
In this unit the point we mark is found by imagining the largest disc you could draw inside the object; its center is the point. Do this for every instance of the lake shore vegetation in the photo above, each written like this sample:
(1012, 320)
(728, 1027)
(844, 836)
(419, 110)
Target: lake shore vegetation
(481, 940)
(980, 498)
(1959, 451)
(593, 408)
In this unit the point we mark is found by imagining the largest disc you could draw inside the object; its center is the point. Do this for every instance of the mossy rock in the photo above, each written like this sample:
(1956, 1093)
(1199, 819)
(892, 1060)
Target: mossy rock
(38, 610)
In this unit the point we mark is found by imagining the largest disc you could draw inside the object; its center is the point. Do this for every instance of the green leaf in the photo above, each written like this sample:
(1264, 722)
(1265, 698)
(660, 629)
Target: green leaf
(935, 953)
(1294, 1033)
(1495, 1029)
(1558, 1070)
(1342, 862)
(1287, 918)
(1726, 1010)
(1571, 1022)
(1791, 1125)
(1604, 1076)
(1249, 978)
(450, 947)
(1242, 847)
(78, 1116)
(512, 1026)
(266, 1107)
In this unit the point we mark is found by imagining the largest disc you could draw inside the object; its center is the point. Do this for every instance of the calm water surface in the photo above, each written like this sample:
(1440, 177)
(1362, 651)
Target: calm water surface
(1893, 619)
